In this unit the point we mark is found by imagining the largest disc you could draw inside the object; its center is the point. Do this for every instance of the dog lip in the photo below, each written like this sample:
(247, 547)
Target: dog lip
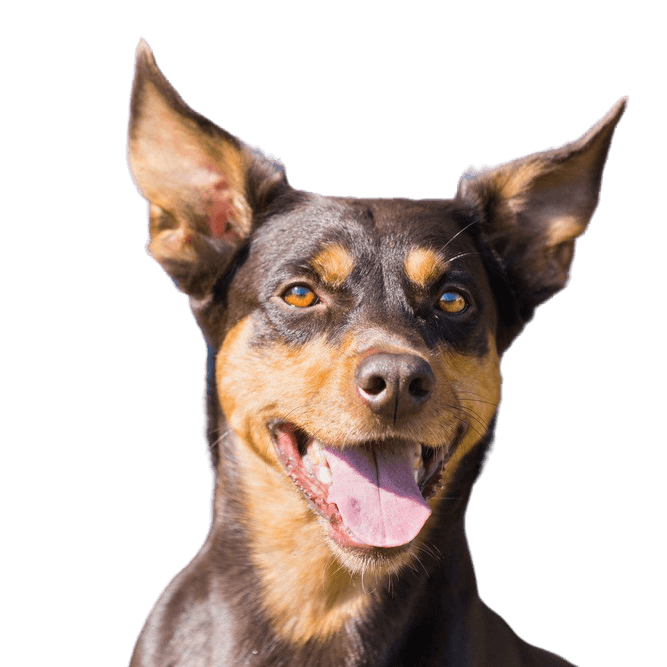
(285, 440)
(292, 444)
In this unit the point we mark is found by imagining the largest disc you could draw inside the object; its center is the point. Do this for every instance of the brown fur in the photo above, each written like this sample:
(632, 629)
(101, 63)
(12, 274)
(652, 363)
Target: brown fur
(334, 264)
(307, 386)
(423, 266)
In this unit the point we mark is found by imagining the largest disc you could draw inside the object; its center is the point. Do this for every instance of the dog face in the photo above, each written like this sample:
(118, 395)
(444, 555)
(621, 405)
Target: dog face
(364, 348)
(357, 342)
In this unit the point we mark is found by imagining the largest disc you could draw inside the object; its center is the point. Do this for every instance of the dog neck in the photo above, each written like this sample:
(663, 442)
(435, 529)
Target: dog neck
(288, 583)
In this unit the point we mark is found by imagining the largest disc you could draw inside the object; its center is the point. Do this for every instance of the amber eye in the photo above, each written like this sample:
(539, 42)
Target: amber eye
(452, 302)
(300, 296)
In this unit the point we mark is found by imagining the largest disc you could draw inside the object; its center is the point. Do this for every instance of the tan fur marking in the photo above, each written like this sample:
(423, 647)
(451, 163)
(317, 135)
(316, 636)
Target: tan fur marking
(333, 264)
(306, 591)
(423, 266)
(311, 587)
(173, 162)
(476, 383)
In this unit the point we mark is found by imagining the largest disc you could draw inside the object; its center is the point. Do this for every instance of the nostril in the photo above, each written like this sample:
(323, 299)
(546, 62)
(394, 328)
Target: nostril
(420, 385)
(374, 385)
(418, 388)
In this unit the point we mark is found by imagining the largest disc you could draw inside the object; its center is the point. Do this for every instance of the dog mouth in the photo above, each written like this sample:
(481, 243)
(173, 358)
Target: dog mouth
(372, 494)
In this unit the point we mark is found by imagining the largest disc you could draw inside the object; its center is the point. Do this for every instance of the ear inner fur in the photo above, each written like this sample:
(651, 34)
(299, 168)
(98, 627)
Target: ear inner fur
(195, 177)
(533, 209)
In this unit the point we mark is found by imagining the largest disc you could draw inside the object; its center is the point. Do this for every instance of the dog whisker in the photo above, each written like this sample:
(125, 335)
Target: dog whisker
(474, 222)
(460, 255)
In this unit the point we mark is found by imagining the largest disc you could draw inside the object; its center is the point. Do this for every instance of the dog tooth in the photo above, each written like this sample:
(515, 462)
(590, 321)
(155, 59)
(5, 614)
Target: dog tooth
(324, 475)
(315, 446)
(315, 451)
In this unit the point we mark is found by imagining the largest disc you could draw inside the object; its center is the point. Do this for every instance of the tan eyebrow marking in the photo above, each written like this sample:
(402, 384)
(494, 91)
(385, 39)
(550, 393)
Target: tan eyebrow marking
(333, 264)
(423, 266)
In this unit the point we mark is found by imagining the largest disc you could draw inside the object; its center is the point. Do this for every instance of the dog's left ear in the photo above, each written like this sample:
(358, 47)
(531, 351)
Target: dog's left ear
(205, 187)
(532, 210)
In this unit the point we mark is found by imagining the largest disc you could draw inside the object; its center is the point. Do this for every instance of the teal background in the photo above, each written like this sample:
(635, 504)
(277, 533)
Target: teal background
(103, 476)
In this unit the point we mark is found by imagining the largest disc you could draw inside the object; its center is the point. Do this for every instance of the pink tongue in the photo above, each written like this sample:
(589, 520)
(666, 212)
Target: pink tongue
(376, 494)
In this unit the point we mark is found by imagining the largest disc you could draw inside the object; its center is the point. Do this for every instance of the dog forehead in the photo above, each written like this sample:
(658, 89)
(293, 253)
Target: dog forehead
(333, 236)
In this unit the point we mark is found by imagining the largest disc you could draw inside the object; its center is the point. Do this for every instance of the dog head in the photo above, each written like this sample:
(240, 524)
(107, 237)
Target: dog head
(356, 343)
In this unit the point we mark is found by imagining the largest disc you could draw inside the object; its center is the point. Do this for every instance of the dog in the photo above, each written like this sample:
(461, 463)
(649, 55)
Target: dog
(353, 384)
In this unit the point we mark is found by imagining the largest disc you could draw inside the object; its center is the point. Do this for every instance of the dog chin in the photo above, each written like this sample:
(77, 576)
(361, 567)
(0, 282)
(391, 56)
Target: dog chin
(370, 498)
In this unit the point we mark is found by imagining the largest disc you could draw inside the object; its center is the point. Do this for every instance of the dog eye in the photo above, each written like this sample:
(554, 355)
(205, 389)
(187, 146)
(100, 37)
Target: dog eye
(300, 296)
(452, 302)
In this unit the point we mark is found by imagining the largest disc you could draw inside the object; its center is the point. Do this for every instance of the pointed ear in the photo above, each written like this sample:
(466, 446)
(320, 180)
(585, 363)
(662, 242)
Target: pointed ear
(204, 186)
(532, 210)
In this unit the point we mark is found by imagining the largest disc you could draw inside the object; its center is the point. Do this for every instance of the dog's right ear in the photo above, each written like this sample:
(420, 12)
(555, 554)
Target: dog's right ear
(533, 209)
(205, 187)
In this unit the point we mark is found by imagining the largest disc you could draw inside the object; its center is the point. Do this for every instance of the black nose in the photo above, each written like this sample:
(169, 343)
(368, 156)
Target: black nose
(395, 385)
